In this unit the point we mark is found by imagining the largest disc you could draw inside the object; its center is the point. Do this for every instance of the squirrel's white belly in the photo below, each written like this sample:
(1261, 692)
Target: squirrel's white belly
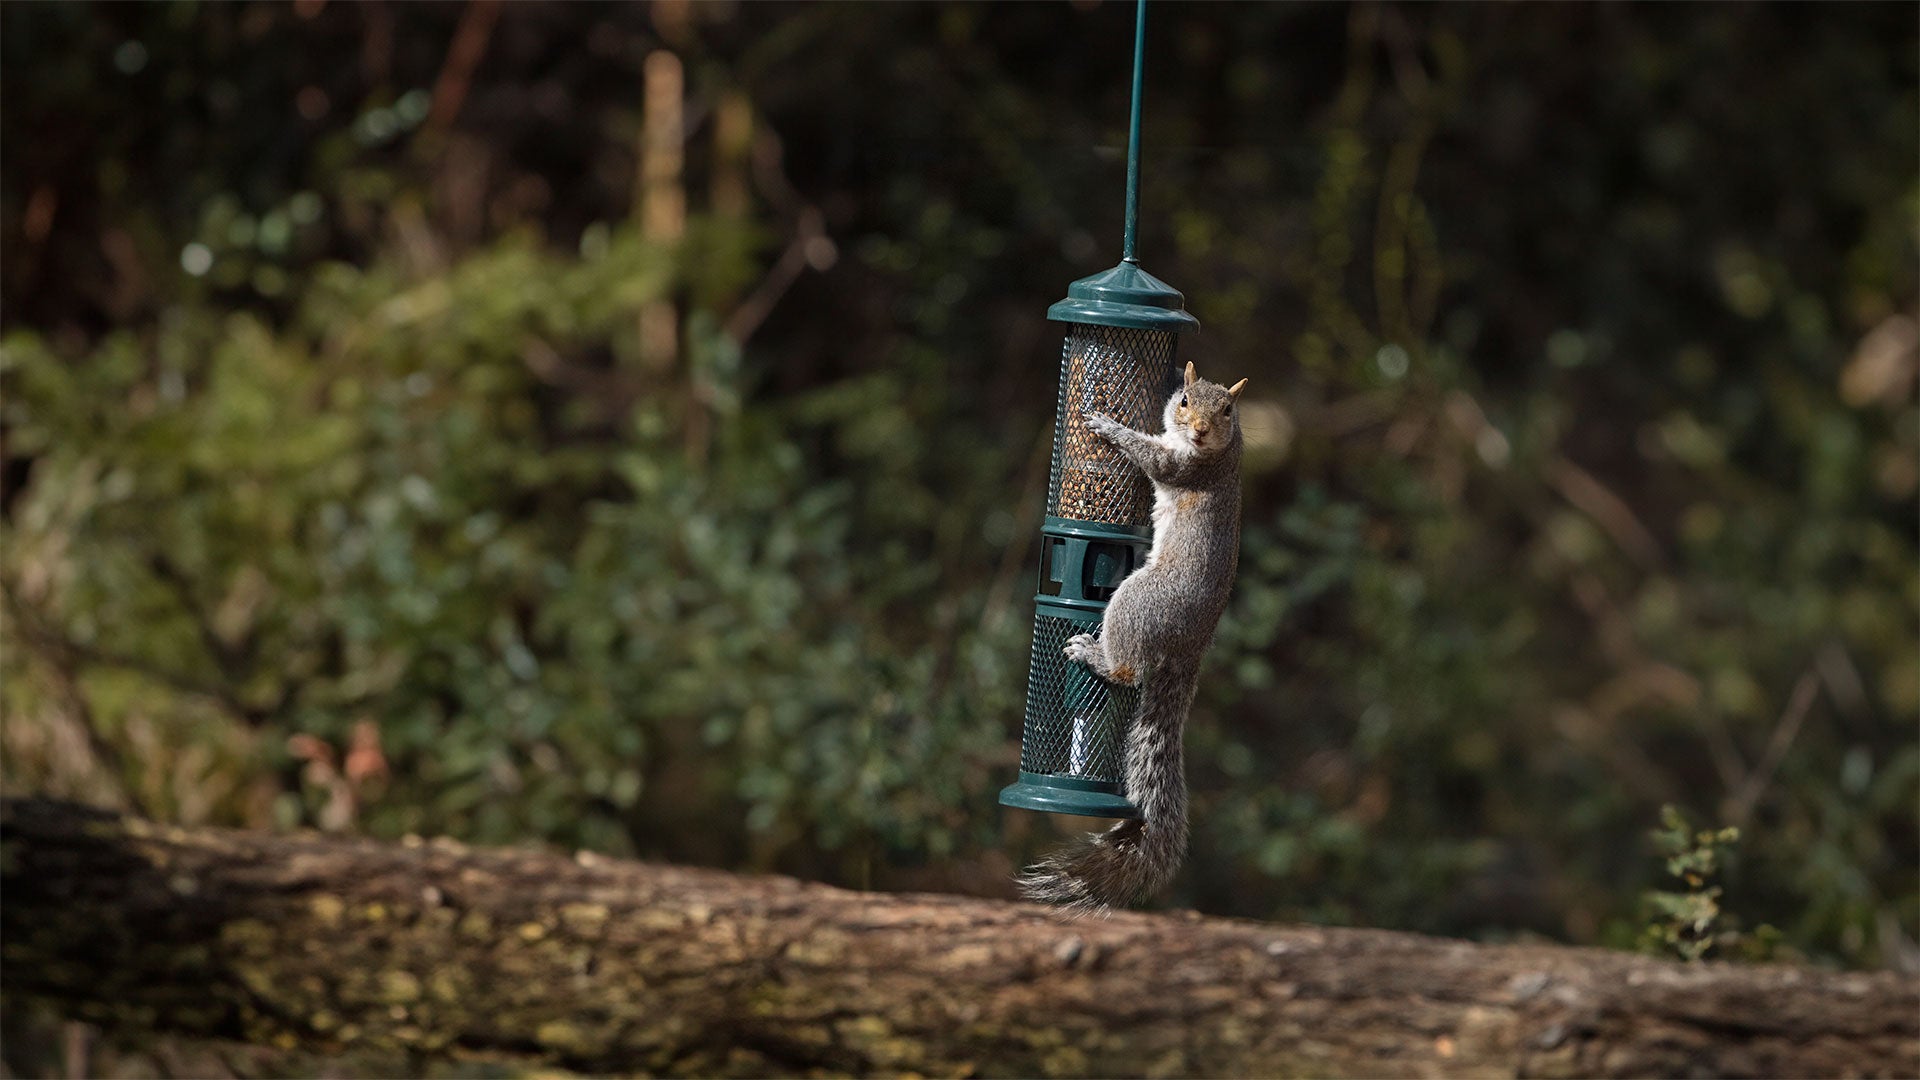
(1163, 496)
(1163, 511)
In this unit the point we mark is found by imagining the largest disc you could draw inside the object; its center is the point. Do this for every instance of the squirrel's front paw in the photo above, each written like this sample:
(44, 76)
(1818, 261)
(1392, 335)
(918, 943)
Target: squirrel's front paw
(1106, 426)
(1081, 648)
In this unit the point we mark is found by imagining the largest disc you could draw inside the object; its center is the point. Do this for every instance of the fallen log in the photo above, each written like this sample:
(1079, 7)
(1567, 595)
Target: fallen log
(333, 945)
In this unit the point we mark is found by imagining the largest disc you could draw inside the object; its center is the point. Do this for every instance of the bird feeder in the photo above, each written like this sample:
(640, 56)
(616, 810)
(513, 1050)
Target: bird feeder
(1122, 326)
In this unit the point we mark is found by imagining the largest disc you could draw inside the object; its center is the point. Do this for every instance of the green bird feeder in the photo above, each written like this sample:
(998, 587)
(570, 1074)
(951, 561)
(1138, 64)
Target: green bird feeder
(1122, 326)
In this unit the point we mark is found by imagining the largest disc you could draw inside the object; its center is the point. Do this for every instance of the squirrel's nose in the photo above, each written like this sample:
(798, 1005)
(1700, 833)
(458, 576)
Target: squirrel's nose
(1200, 429)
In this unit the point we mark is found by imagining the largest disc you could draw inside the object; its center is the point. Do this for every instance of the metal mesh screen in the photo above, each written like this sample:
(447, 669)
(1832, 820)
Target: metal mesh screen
(1126, 374)
(1076, 723)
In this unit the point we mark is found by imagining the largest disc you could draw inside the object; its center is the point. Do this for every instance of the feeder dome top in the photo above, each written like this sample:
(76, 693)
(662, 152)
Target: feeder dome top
(1125, 296)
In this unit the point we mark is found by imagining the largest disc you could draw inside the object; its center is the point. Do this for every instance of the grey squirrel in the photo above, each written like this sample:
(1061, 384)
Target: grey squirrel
(1156, 628)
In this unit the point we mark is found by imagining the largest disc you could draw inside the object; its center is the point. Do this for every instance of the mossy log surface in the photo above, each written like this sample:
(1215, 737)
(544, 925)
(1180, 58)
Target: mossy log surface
(429, 948)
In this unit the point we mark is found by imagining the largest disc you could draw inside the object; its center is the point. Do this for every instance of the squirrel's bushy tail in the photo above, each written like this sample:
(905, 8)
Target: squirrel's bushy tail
(1134, 858)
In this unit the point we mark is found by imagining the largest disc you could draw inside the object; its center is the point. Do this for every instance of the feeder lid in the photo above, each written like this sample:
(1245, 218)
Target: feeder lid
(1125, 296)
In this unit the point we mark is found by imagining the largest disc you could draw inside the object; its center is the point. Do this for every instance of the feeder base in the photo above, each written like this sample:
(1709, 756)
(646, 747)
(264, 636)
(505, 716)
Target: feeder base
(1068, 795)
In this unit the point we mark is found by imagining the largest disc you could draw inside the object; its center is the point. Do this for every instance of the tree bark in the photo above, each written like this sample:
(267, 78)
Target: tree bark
(338, 945)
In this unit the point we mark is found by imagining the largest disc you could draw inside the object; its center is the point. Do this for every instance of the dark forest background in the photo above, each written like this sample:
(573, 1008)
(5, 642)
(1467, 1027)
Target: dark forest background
(625, 427)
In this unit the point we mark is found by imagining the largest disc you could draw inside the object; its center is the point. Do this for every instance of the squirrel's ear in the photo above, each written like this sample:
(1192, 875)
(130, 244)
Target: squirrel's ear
(1234, 390)
(1191, 377)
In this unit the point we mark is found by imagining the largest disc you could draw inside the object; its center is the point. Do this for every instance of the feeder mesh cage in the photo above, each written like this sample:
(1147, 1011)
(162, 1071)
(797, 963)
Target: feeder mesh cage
(1099, 509)
(1076, 722)
(1126, 374)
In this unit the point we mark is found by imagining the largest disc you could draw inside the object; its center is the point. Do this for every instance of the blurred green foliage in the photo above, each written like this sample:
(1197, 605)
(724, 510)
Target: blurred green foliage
(341, 489)
(1687, 923)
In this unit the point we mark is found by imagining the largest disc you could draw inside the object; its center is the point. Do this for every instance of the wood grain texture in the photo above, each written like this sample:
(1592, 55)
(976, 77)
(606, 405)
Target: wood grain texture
(337, 945)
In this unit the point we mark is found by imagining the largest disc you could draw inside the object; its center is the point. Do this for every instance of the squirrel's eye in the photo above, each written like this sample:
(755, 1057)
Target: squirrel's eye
(1183, 401)
(1229, 407)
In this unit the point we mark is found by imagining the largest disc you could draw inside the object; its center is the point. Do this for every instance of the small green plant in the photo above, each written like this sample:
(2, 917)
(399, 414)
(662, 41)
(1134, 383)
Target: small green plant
(1689, 922)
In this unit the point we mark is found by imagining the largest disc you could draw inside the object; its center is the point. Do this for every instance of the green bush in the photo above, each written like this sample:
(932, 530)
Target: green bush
(1582, 433)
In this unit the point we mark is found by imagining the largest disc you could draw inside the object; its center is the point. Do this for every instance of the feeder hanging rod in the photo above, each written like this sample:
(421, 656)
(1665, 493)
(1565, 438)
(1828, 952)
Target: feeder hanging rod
(1133, 131)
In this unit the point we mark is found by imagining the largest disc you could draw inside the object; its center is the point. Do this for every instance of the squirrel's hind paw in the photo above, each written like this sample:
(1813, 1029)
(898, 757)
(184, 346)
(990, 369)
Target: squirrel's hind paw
(1082, 648)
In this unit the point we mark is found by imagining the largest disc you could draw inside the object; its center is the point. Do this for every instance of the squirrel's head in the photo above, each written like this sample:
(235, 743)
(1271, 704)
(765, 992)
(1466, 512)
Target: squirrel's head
(1202, 413)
